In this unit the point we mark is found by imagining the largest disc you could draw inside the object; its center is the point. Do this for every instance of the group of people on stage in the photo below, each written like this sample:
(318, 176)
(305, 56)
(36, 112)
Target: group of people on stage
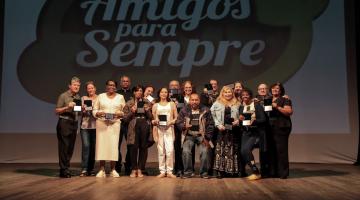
(226, 125)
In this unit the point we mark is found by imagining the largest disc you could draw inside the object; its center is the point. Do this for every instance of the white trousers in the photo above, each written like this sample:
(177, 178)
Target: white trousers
(165, 148)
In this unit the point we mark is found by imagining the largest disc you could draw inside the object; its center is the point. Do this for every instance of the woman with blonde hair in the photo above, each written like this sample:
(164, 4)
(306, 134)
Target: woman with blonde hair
(225, 112)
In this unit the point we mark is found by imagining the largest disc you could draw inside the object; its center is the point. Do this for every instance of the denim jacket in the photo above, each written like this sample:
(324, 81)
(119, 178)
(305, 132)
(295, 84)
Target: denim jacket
(218, 112)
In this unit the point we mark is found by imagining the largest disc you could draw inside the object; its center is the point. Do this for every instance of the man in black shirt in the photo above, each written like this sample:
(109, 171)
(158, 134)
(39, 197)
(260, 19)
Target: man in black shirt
(125, 90)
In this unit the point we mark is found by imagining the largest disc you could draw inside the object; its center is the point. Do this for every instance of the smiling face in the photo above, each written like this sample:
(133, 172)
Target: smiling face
(262, 89)
(194, 101)
(163, 94)
(275, 91)
(214, 84)
(90, 89)
(187, 89)
(74, 87)
(227, 94)
(238, 87)
(148, 91)
(138, 93)
(245, 97)
(110, 87)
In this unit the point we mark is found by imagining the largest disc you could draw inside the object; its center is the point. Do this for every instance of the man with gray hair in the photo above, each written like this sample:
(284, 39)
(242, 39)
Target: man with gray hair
(67, 125)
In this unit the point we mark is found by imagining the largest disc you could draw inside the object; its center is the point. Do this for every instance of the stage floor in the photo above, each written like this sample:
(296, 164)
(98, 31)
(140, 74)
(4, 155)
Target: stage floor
(306, 181)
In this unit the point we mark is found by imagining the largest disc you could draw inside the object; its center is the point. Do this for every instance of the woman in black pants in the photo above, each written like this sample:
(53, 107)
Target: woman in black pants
(137, 113)
(253, 123)
(280, 124)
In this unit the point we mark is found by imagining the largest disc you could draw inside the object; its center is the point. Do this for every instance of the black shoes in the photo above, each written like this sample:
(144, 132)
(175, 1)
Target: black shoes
(65, 174)
(219, 175)
(204, 175)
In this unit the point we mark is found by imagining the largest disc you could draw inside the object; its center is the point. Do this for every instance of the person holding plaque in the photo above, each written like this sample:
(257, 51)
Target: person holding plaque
(253, 123)
(108, 109)
(264, 98)
(88, 130)
(67, 125)
(280, 123)
(148, 94)
(197, 124)
(210, 93)
(225, 112)
(138, 115)
(165, 114)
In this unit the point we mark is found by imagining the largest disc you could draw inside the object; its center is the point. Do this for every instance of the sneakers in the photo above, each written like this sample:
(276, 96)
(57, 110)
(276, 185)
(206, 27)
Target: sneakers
(83, 173)
(133, 174)
(114, 174)
(253, 177)
(204, 175)
(161, 175)
(139, 174)
(170, 175)
(101, 174)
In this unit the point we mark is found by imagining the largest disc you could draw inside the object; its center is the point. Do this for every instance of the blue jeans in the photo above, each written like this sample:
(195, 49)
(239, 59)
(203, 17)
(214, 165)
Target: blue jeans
(88, 139)
(188, 145)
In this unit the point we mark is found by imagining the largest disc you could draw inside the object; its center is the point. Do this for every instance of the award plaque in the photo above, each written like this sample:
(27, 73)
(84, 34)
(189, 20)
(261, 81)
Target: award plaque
(150, 98)
(77, 107)
(267, 105)
(140, 107)
(194, 122)
(88, 105)
(109, 116)
(209, 88)
(162, 120)
(247, 120)
(228, 123)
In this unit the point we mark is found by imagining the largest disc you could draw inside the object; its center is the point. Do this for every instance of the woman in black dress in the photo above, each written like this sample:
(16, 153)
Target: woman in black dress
(280, 124)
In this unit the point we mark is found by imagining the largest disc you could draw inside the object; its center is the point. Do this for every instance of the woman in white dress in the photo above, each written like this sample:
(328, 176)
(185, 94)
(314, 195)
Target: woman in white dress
(108, 111)
(165, 114)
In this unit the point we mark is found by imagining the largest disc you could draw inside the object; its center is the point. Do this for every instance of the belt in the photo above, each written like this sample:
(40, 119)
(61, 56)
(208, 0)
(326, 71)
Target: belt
(193, 134)
(67, 118)
(140, 117)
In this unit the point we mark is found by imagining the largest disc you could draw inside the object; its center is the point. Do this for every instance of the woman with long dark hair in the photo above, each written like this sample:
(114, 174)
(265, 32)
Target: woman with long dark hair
(165, 114)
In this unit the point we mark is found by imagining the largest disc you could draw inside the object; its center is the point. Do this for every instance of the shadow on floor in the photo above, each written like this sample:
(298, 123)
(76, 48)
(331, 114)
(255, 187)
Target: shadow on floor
(303, 173)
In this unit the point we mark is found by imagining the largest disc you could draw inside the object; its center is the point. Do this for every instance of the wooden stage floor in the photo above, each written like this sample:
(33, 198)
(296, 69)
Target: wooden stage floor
(306, 181)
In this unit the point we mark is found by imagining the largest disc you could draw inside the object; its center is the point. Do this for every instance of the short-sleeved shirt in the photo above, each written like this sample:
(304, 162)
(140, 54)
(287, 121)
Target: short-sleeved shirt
(276, 117)
(63, 101)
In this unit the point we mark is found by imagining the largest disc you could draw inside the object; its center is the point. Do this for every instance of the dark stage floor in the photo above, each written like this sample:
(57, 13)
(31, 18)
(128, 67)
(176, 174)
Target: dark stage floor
(306, 181)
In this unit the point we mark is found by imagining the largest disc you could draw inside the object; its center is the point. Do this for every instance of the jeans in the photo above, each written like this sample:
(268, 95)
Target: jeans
(188, 145)
(88, 139)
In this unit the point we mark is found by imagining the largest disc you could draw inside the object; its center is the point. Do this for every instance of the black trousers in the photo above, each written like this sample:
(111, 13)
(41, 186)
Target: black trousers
(138, 150)
(127, 164)
(279, 150)
(240, 160)
(66, 135)
(248, 143)
(211, 152)
(178, 165)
